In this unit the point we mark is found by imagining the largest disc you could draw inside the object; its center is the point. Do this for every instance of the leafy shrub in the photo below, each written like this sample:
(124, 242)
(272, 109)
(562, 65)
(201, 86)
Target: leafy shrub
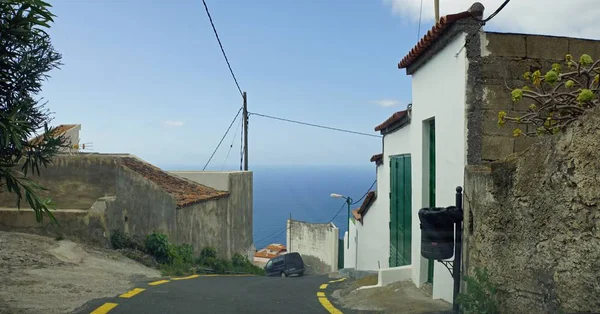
(480, 296)
(121, 240)
(239, 260)
(185, 253)
(158, 245)
(208, 252)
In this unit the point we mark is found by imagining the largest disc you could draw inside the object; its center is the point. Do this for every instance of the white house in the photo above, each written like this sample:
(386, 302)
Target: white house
(459, 78)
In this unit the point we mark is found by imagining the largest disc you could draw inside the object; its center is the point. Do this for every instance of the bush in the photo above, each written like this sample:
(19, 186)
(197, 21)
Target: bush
(121, 240)
(185, 253)
(158, 245)
(480, 296)
(239, 260)
(208, 252)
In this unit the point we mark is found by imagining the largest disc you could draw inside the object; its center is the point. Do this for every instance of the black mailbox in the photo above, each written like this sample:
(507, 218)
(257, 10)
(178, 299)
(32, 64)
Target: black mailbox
(437, 232)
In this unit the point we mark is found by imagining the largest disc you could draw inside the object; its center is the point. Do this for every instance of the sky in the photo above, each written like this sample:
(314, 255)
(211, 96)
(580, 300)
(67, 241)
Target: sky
(147, 77)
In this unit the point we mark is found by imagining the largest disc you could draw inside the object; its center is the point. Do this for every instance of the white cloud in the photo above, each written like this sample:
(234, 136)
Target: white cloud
(573, 18)
(172, 123)
(386, 102)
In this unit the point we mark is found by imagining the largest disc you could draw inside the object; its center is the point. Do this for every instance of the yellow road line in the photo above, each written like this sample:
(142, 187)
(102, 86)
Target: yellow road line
(328, 306)
(320, 294)
(339, 280)
(104, 308)
(131, 293)
(184, 278)
(156, 283)
(323, 286)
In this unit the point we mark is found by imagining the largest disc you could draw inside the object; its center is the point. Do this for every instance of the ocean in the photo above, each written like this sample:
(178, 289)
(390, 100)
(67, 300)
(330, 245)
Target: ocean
(304, 193)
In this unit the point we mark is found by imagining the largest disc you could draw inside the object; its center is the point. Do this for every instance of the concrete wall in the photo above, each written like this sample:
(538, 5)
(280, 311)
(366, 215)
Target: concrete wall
(314, 240)
(218, 180)
(374, 233)
(533, 222)
(226, 223)
(504, 60)
(74, 182)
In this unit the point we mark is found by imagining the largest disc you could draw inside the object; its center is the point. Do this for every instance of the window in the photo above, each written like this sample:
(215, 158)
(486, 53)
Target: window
(269, 264)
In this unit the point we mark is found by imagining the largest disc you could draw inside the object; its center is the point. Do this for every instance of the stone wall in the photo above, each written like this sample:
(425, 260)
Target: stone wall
(504, 59)
(532, 220)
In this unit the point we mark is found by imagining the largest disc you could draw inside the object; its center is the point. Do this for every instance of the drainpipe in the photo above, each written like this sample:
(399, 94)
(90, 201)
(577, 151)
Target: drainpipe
(436, 6)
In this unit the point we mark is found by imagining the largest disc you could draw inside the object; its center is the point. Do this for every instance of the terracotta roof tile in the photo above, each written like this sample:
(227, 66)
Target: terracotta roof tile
(364, 207)
(432, 35)
(391, 120)
(185, 192)
(378, 159)
(56, 132)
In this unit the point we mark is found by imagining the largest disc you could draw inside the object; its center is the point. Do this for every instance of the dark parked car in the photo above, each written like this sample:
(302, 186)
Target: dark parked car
(285, 265)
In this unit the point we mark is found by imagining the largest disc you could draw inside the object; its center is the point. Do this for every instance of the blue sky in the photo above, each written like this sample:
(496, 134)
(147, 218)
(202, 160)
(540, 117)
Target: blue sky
(131, 65)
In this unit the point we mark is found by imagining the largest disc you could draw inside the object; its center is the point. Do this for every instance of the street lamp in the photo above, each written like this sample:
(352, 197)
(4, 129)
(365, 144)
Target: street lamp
(349, 202)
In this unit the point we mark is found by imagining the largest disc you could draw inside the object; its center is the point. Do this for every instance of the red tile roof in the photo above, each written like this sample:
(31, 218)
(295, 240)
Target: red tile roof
(185, 192)
(364, 207)
(378, 159)
(391, 120)
(432, 35)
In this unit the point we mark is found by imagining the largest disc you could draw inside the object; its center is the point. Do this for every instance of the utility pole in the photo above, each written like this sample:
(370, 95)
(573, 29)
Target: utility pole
(436, 7)
(245, 117)
(289, 249)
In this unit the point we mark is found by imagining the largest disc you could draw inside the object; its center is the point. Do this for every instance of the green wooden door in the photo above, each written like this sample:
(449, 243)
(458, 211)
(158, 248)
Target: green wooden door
(400, 211)
(341, 253)
(431, 186)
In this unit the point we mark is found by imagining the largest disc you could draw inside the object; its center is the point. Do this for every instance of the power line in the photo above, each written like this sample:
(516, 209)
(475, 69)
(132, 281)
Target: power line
(338, 212)
(420, 15)
(221, 141)
(231, 146)
(270, 237)
(221, 45)
(313, 125)
(493, 14)
(369, 190)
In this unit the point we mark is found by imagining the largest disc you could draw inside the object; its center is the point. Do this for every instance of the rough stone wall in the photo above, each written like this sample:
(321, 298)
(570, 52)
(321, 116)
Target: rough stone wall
(533, 221)
(504, 59)
(73, 182)
(317, 243)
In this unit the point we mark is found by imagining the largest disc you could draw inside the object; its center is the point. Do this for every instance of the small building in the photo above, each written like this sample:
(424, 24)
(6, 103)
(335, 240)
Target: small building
(71, 134)
(460, 75)
(97, 193)
(261, 257)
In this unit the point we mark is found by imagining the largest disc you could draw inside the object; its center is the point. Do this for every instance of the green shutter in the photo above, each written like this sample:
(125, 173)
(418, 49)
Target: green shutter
(400, 211)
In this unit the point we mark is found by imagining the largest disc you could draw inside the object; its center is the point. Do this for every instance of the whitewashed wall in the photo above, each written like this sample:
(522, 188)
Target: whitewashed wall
(317, 240)
(438, 91)
(350, 251)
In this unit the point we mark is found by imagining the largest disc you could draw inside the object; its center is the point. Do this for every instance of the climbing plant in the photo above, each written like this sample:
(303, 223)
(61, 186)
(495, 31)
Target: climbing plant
(557, 97)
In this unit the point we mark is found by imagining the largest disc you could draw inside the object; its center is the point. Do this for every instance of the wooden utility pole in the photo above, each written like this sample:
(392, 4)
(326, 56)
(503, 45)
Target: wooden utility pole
(436, 7)
(245, 117)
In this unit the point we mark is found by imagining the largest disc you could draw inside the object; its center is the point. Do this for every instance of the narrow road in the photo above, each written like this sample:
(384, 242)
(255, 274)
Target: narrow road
(220, 294)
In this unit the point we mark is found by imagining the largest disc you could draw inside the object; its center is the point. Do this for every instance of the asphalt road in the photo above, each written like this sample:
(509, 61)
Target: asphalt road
(223, 294)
